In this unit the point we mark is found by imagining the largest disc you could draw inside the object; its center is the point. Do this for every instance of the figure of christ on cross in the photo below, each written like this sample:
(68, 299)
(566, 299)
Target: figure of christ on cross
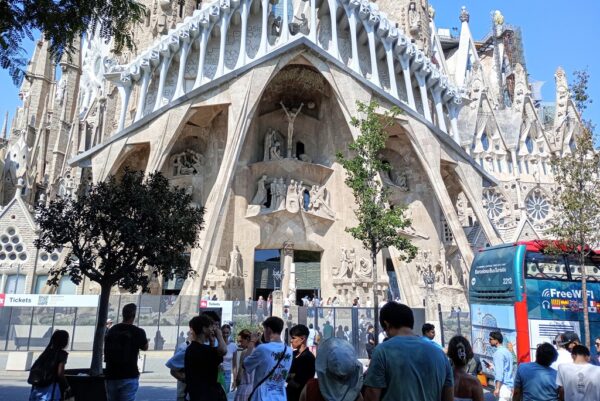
(291, 117)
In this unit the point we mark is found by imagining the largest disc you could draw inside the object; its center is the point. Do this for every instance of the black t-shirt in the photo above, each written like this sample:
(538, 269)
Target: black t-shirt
(370, 341)
(302, 370)
(201, 369)
(121, 349)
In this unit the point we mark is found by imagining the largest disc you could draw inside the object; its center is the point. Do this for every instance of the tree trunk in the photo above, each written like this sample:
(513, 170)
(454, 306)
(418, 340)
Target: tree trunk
(584, 297)
(98, 347)
(375, 300)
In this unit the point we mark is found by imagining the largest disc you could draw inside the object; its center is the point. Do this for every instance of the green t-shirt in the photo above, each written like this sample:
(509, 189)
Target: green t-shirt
(409, 368)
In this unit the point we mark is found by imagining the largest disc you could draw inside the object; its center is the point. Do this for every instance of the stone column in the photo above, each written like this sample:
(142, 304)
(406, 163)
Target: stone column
(286, 265)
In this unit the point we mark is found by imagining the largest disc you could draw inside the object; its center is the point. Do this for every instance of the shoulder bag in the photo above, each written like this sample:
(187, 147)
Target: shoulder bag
(268, 374)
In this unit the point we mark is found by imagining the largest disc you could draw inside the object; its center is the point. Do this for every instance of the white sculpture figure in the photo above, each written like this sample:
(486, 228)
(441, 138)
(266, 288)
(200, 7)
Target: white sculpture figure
(275, 149)
(278, 191)
(320, 202)
(261, 192)
(364, 269)
(300, 193)
(268, 144)
(400, 179)
(414, 19)
(187, 163)
(351, 257)
(61, 90)
(343, 271)
(291, 117)
(235, 263)
(291, 203)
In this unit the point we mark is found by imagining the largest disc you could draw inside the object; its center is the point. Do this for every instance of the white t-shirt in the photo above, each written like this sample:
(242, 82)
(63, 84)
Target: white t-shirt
(261, 361)
(381, 337)
(310, 341)
(564, 356)
(581, 382)
(231, 348)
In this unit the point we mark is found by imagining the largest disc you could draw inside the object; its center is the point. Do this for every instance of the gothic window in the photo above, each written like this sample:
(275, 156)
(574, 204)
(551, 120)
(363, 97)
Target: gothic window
(538, 207)
(494, 203)
(448, 236)
(485, 141)
(572, 145)
(529, 144)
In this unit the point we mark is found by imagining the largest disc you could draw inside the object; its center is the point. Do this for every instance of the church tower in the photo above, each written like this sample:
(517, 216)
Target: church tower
(413, 17)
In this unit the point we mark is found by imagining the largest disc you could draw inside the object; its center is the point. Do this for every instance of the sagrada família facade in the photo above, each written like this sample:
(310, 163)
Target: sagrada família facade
(245, 103)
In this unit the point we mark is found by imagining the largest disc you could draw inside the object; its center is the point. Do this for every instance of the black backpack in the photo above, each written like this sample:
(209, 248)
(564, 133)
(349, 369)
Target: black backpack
(43, 372)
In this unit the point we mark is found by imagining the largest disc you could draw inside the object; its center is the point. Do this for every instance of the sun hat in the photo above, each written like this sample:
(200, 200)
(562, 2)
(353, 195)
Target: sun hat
(338, 370)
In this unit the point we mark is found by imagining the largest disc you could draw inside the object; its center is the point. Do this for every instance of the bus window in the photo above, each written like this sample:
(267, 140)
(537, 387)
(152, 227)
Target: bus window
(592, 269)
(543, 266)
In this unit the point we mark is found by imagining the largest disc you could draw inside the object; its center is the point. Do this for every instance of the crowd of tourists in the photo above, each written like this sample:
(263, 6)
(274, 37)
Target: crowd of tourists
(266, 366)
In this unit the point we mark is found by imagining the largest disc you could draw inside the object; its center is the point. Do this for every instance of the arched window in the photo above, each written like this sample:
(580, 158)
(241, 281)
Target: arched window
(529, 144)
(485, 141)
(305, 199)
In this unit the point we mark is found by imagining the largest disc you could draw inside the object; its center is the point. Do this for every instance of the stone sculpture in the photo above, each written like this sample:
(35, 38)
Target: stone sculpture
(414, 19)
(364, 269)
(261, 192)
(291, 117)
(188, 162)
(320, 201)
(292, 203)
(272, 145)
(235, 263)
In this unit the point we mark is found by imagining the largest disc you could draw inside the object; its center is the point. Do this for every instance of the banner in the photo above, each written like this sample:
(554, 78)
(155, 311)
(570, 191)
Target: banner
(49, 301)
(561, 300)
(223, 308)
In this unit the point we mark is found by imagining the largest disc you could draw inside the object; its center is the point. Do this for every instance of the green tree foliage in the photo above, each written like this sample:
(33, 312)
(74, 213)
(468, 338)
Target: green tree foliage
(576, 220)
(379, 223)
(123, 232)
(62, 21)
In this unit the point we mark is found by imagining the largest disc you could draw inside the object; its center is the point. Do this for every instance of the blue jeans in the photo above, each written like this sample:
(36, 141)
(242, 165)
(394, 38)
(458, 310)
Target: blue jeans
(122, 389)
(227, 374)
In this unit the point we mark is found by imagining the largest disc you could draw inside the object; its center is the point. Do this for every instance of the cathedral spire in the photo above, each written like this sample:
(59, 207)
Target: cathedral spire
(4, 127)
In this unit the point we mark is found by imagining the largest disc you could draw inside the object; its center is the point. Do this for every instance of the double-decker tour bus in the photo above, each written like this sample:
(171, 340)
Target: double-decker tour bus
(530, 296)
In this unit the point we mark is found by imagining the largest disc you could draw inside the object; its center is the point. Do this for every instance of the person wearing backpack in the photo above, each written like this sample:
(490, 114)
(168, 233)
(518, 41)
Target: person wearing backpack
(122, 345)
(47, 375)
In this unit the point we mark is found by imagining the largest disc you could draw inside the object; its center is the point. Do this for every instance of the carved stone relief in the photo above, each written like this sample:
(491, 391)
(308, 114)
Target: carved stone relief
(188, 162)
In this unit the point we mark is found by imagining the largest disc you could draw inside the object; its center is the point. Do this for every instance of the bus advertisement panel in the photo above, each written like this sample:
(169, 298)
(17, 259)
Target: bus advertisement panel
(488, 318)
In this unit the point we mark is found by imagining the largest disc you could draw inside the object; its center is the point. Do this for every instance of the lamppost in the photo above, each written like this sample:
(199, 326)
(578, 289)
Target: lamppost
(455, 313)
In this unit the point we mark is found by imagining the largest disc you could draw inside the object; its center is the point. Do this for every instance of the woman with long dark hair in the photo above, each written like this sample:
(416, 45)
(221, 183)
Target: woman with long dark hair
(47, 375)
(466, 387)
(202, 360)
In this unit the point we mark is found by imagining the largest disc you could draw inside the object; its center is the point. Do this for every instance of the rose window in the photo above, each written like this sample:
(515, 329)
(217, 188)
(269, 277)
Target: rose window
(494, 203)
(537, 206)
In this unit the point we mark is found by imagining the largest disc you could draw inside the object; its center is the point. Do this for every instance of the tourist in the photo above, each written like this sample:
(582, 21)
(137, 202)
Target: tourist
(47, 374)
(428, 331)
(466, 387)
(405, 368)
(580, 380)
(228, 358)
(503, 368)
(565, 343)
(327, 330)
(176, 365)
(339, 374)
(202, 361)
(303, 364)
(122, 345)
(310, 341)
(260, 308)
(340, 333)
(370, 345)
(270, 363)
(536, 381)
(596, 357)
(243, 380)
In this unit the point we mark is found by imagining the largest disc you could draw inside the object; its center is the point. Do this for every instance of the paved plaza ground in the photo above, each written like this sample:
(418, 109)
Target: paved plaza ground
(156, 384)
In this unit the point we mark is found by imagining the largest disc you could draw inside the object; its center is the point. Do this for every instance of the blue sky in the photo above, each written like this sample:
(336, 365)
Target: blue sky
(555, 34)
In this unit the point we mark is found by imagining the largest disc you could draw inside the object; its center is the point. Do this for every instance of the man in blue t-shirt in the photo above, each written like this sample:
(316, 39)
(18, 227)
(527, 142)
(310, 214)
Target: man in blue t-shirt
(406, 368)
(428, 331)
(503, 368)
(536, 381)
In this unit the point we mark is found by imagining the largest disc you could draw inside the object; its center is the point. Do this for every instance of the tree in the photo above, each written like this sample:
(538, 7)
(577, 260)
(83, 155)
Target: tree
(61, 22)
(123, 232)
(379, 223)
(576, 221)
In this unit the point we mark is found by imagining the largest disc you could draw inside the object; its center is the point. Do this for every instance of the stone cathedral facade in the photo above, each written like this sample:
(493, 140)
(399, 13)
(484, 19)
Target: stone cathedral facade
(245, 103)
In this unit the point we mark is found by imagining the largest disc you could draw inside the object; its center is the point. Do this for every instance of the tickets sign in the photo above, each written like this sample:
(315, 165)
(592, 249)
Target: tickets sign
(49, 301)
